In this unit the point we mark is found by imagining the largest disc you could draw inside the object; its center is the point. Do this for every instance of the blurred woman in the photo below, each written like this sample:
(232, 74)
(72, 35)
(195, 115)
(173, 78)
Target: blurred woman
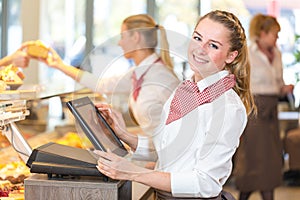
(148, 84)
(258, 161)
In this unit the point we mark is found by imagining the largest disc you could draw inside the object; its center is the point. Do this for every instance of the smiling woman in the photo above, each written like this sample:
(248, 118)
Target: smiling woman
(208, 55)
(196, 126)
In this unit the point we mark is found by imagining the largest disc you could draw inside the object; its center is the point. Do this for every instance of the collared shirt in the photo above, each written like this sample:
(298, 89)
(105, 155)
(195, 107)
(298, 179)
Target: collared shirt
(159, 83)
(266, 77)
(197, 149)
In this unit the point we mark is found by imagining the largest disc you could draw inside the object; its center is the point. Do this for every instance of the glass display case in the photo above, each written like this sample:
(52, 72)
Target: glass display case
(28, 120)
(43, 117)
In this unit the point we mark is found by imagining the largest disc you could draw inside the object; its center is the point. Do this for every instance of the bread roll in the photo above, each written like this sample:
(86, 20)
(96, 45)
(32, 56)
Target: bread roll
(38, 50)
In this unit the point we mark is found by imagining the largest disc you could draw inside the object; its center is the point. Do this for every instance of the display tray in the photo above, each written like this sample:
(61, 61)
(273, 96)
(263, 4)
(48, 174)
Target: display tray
(13, 171)
(17, 94)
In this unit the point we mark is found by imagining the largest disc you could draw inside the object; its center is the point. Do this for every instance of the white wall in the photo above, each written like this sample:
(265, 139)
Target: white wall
(30, 22)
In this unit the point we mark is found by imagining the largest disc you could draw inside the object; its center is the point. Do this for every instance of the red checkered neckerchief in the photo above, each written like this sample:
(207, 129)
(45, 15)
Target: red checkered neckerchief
(137, 83)
(188, 97)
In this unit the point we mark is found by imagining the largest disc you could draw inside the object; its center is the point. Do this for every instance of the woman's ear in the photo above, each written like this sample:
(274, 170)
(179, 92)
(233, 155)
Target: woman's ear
(136, 36)
(231, 56)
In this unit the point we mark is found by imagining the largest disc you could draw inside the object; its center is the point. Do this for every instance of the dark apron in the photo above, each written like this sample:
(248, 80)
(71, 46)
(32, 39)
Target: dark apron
(161, 195)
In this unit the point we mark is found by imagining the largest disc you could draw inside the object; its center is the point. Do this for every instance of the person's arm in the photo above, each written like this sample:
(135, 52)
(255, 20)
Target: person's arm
(70, 71)
(54, 60)
(19, 58)
(119, 168)
(6, 60)
(85, 78)
(142, 146)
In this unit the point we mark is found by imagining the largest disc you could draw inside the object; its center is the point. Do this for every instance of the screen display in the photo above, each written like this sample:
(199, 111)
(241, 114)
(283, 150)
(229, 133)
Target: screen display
(95, 127)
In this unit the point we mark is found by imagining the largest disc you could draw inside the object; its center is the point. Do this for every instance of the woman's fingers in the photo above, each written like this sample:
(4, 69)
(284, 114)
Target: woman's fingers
(104, 169)
(104, 155)
(105, 110)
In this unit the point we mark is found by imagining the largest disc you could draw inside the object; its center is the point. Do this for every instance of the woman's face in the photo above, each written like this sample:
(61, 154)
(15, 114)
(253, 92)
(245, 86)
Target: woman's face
(269, 39)
(208, 51)
(127, 42)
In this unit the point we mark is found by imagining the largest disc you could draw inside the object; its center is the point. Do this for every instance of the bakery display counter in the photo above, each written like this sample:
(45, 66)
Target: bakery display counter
(39, 128)
(24, 123)
(13, 170)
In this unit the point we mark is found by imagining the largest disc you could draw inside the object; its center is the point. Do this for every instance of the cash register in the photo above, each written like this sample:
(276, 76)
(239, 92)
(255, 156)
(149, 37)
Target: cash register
(61, 160)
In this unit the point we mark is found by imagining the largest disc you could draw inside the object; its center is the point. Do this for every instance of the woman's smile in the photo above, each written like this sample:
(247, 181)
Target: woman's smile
(199, 59)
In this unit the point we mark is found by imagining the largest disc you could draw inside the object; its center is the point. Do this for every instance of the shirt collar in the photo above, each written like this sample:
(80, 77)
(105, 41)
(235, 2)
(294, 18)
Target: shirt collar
(254, 49)
(204, 83)
(145, 64)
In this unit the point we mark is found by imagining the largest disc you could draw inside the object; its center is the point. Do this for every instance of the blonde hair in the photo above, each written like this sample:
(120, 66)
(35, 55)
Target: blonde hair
(146, 25)
(262, 23)
(240, 67)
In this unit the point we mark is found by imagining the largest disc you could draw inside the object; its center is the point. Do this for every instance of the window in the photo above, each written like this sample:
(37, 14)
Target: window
(107, 57)
(63, 26)
(10, 27)
(179, 19)
(109, 14)
(1, 28)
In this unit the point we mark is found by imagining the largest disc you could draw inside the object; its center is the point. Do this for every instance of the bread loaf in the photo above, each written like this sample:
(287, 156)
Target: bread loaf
(38, 50)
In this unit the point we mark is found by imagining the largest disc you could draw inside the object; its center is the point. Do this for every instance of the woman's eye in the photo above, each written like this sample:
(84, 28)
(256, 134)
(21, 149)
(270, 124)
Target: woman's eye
(214, 46)
(197, 38)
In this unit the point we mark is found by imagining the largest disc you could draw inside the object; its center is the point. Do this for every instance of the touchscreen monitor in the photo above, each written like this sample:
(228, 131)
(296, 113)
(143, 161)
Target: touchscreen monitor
(94, 125)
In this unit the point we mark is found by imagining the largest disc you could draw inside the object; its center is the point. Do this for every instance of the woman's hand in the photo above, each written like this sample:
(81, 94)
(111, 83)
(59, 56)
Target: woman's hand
(117, 167)
(53, 59)
(116, 121)
(287, 89)
(20, 59)
(113, 118)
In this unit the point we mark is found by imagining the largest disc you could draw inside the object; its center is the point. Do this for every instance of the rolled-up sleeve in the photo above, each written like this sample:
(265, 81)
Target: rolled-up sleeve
(114, 84)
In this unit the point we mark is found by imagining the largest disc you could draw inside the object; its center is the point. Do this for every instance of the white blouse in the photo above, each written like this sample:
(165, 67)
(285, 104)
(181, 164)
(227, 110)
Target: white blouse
(197, 149)
(158, 85)
(266, 77)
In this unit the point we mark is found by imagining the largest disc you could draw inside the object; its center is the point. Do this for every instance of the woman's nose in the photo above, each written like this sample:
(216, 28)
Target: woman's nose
(201, 49)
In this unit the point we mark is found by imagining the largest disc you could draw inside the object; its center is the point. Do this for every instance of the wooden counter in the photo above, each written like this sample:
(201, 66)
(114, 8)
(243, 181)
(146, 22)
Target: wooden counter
(39, 187)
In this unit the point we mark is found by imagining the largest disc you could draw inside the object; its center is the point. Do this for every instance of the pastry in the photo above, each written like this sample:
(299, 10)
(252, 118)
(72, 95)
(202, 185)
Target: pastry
(38, 50)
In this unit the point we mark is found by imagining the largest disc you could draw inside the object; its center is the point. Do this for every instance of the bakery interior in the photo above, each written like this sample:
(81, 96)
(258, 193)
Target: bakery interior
(84, 33)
